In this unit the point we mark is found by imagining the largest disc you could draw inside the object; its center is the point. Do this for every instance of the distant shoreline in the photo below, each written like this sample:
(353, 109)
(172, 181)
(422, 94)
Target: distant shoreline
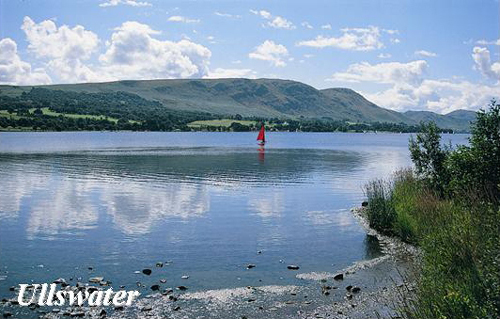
(130, 131)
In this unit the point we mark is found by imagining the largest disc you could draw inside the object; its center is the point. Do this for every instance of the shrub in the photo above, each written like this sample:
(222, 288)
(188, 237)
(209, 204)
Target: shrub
(429, 156)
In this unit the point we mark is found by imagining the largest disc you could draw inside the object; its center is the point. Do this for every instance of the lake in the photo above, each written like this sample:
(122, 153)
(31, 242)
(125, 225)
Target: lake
(77, 205)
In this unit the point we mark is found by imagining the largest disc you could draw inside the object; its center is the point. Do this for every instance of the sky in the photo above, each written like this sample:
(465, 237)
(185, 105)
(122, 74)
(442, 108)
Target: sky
(433, 55)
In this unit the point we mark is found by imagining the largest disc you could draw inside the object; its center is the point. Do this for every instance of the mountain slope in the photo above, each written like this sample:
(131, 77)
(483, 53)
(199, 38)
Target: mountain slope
(260, 97)
(457, 120)
(358, 104)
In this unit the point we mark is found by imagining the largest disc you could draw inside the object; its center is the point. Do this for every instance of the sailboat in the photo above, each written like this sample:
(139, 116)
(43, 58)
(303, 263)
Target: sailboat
(262, 137)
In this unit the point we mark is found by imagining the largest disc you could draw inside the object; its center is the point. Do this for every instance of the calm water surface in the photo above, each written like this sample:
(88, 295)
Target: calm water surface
(206, 202)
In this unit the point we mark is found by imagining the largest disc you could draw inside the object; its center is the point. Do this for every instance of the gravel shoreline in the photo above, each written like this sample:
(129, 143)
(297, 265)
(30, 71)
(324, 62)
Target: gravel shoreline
(386, 282)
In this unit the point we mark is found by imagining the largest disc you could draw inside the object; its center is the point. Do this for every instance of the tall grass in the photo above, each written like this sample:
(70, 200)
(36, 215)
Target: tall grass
(381, 213)
(460, 271)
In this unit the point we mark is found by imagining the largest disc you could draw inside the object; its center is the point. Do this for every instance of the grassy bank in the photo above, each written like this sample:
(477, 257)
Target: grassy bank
(448, 206)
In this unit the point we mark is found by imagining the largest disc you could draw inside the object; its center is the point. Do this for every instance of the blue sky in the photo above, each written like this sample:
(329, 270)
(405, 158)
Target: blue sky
(420, 55)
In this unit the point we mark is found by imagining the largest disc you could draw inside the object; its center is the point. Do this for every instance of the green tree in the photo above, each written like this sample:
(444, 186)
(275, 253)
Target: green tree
(238, 127)
(429, 156)
(476, 168)
(485, 144)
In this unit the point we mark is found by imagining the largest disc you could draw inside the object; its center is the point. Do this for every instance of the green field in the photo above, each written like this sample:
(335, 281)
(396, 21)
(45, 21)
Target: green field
(221, 122)
(48, 112)
(4, 113)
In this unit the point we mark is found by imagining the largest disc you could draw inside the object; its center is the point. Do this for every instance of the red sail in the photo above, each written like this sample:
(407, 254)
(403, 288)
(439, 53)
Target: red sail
(261, 136)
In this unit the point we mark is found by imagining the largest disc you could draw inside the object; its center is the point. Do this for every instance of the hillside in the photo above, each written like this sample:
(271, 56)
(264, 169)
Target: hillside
(261, 97)
(266, 98)
(355, 102)
(458, 120)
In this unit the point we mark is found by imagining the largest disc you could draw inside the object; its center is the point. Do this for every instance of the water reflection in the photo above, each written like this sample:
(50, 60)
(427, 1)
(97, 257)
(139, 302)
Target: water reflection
(66, 192)
(60, 206)
(372, 247)
(122, 202)
(136, 208)
(339, 218)
(262, 154)
(269, 205)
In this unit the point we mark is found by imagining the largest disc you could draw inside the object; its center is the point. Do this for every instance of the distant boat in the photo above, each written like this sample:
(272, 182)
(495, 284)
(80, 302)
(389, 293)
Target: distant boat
(262, 136)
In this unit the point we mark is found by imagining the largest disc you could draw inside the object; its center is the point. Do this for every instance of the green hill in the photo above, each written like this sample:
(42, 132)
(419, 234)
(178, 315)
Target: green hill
(457, 120)
(265, 98)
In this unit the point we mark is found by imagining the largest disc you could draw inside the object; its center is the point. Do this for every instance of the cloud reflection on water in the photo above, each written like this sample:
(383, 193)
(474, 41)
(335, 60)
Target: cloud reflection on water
(136, 207)
(61, 194)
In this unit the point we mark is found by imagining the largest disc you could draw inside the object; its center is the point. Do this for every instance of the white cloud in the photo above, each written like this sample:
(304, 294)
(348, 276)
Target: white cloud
(395, 40)
(274, 21)
(391, 31)
(263, 13)
(227, 15)
(182, 19)
(47, 40)
(15, 71)
(211, 39)
(220, 73)
(64, 47)
(482, 60)
(357, 39)
(132, 3)
(308, 56)
(326, 26)
(409, 89)
(384, 55)
(427, 54)
(442, 96)
(133, 53)
(387, 73)
(306, 25)
(485, 42)
(236, 62)
(270, 51)
(75, 71)
(281, 23)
